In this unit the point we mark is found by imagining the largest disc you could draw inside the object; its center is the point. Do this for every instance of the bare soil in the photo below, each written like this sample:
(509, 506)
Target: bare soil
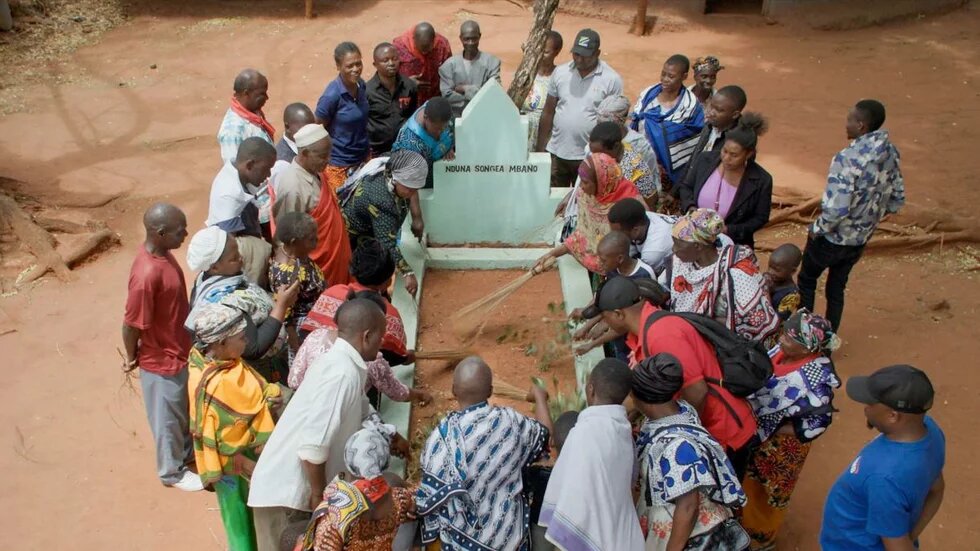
(77, 452)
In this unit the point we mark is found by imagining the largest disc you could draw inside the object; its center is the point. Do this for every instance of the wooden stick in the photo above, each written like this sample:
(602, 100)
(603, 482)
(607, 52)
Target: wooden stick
(453, 354)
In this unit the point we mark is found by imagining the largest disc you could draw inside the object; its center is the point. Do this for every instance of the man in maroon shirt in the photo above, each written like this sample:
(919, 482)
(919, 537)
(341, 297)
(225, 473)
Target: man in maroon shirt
(625, 306)
(157, 343)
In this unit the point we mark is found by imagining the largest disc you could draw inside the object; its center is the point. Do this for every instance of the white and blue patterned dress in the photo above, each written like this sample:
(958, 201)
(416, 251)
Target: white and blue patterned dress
(803, 397)
(471, 492)
(678, 456)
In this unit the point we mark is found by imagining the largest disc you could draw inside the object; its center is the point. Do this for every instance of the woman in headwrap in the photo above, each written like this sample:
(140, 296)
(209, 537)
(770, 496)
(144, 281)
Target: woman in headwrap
(639, 162)
(601, 185)
(705, 76)
(793, 409)
(220, 281)
(375, 202)
(630, 149)
(372, 269)
(688, 487)
(231, 415)
(718, 280)
(365, 513)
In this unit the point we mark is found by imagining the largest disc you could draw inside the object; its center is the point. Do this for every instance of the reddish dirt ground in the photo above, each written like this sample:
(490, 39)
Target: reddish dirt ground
(520, 340)
(78, 456)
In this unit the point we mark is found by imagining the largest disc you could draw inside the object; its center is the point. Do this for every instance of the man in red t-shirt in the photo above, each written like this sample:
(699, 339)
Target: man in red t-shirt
(624, 306)
(157, 343)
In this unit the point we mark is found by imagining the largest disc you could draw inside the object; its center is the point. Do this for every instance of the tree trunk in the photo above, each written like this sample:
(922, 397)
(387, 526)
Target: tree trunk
(309, 9)
(639, 26)
(544, 16)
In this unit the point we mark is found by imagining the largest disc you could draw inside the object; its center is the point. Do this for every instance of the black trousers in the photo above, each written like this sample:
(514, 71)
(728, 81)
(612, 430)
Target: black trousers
(820, 255)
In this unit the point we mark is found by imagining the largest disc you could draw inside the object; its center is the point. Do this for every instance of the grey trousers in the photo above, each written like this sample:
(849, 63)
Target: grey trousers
(167, 410)
(270, 522)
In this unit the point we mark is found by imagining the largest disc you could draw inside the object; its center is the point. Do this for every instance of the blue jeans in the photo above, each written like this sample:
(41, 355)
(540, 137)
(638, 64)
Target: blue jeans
(820, 255)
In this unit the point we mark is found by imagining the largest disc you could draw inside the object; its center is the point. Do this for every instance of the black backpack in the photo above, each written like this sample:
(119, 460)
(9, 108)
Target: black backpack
(745, 365)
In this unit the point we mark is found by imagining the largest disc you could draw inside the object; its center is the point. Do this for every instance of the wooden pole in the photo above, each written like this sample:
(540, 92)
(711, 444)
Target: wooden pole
(544, 16)
(639, 26)
(309, 9)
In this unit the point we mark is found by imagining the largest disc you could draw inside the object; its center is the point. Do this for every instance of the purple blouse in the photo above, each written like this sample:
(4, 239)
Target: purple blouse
(717, 194)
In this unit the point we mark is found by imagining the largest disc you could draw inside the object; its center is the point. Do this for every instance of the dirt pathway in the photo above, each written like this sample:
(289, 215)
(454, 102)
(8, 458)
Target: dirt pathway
(78, 458)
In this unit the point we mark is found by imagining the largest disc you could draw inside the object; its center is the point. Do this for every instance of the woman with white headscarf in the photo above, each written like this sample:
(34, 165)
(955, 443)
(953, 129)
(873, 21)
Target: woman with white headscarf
(366, 512)
(220, 281)
(375, 201)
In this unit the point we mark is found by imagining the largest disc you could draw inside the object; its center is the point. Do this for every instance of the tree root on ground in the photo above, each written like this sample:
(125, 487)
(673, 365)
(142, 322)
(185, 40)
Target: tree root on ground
(35, 238)
(78, 253)
(914, 226)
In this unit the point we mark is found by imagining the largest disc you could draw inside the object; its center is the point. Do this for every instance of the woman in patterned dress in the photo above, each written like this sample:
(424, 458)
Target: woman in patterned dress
(794, 408)
(534, 102)
(688, 487)
(362, 514)
(721, 281)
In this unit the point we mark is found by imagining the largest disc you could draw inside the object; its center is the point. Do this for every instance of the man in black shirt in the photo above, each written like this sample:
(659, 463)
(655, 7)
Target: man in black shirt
(392, 98)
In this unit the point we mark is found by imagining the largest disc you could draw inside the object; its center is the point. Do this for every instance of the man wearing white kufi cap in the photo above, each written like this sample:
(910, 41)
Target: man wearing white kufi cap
(301, 189)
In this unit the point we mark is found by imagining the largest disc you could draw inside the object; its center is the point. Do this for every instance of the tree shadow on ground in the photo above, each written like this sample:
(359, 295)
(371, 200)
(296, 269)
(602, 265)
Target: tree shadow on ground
(243, 8)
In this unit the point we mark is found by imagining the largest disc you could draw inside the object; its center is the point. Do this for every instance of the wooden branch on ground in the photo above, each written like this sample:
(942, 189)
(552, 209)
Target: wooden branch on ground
(544, 16)
(60, 226)
(35, 238)
(806, 208)
(639, 26)
(74, 256)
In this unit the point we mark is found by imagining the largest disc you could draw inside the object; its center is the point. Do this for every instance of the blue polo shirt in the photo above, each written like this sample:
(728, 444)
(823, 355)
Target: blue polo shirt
(348, 122)
(881, 494)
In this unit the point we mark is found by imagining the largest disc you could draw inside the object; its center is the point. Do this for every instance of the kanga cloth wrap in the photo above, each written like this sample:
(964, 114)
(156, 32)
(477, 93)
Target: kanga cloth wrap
(229, 414)
(707, 63)
(206, 248)
(408, 168)
(216, 322)
(593, 210)
(257, 118)
(342, 504)
(701, 226)
(811, 331)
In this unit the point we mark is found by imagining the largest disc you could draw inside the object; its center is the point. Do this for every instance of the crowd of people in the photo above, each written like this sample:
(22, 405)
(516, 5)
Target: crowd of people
(262, 384)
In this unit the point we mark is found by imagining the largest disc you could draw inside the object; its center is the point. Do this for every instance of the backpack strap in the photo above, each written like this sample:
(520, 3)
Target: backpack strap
(651, 319)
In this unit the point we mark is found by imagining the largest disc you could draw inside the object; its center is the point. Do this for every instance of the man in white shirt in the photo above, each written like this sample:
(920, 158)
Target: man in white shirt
(306, 449)
(575, 90)
(233, 208)
(649, 232)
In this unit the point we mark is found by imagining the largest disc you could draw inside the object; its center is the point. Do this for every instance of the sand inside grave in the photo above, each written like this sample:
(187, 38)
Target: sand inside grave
(523, 338)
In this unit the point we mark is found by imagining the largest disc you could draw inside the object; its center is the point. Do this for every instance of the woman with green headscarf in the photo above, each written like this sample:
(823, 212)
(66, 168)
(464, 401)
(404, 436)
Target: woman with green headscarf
(792, 409)
(709, 275)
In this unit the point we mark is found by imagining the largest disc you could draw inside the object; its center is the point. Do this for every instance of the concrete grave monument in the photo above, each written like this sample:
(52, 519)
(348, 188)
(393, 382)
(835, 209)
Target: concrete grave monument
(493, 192)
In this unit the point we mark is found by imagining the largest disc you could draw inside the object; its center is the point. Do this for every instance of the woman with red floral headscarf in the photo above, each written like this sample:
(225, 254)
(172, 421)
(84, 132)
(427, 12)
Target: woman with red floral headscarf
(602, 184)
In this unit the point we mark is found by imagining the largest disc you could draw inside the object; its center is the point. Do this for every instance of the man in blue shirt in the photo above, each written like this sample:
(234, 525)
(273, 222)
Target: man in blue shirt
(890, 492)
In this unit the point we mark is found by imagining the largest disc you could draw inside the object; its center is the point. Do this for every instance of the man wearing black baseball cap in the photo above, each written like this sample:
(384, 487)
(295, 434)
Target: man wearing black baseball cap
(888, 495)
(569, 113)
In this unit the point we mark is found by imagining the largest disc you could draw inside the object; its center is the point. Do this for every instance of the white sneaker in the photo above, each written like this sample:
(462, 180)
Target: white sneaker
(190, 482)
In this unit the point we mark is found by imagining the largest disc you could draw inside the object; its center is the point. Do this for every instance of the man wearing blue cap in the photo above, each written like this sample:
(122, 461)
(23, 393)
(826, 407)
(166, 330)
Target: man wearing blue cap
(888, 495)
